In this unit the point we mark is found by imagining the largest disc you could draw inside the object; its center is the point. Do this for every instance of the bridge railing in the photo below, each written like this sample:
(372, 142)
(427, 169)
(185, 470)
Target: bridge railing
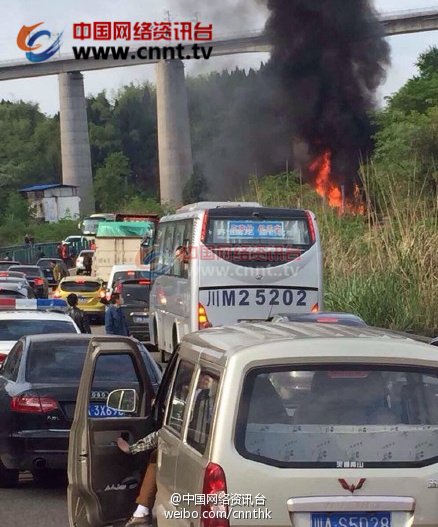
(29, 254)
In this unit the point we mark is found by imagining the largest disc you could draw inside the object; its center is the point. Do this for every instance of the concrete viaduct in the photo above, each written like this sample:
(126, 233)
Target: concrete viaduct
(174, 144)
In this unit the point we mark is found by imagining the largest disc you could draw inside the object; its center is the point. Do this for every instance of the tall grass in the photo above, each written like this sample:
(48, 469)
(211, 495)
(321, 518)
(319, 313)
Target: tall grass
(383, 267)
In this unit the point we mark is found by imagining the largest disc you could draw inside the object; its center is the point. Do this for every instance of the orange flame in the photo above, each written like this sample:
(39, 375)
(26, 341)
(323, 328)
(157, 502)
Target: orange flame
(327, 189)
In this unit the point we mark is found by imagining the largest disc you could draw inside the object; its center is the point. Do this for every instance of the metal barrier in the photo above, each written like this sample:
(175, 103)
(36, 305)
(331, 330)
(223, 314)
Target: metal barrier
(30, 254)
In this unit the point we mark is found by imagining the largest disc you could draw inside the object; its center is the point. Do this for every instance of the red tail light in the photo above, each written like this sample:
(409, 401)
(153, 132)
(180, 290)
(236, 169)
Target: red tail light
(102, 294)
(39, 281)
(33, 405)
(311, 226)
(204, 226)
(80, 281)
(215, 485)
(3, 357)
(144, 282)
(203, 322)
(315, 308)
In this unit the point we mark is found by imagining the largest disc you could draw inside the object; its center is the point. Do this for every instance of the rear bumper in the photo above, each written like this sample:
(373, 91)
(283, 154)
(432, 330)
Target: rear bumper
(31, 449)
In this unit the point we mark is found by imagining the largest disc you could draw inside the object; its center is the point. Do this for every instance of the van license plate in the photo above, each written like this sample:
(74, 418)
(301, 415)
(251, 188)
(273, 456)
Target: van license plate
(101, 411)
(351, 519)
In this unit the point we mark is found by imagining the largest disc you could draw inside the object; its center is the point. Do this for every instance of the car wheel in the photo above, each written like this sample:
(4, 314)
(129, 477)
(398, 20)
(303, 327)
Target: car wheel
(8, 477)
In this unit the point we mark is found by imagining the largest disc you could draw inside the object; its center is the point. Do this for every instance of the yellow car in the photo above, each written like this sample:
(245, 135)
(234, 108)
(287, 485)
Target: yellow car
(90, 291)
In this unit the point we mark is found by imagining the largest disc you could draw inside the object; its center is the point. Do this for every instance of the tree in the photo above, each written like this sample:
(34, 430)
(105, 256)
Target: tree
(195, 189)
(110, 184)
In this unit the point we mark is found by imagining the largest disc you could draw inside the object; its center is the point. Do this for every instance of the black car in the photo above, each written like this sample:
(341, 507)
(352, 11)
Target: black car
(46, 266)
(39, 384)
(135, 306)
(35, 276)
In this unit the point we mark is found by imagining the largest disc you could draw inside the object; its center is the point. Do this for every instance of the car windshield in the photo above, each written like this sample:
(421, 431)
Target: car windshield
(327, 417)
(80, 286)
(14, 329)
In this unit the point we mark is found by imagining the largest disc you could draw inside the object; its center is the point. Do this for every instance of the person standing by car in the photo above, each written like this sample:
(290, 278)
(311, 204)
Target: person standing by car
(58, 271)
(77, 314)
(115, 323)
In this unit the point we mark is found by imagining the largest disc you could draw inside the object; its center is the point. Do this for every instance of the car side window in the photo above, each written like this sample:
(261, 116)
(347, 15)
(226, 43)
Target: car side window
(180, 393)
(202, 410)
(12, 363)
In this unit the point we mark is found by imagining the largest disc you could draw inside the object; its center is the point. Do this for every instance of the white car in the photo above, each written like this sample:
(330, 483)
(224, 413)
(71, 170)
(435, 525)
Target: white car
(80, 267)
(14, 323)
(123, 272)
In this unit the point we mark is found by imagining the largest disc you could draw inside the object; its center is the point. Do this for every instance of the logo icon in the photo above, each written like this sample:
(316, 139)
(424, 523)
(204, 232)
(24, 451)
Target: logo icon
(26, 41)
(352, 488)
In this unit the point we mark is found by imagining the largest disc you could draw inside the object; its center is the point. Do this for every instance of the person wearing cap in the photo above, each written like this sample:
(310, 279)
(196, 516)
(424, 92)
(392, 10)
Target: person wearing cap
(79, 317)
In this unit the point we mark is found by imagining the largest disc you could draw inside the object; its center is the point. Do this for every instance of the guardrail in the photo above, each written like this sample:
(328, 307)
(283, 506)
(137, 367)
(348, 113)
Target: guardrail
(30, 254)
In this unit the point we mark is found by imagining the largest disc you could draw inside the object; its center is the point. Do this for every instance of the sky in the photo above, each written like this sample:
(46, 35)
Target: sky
(232, 16)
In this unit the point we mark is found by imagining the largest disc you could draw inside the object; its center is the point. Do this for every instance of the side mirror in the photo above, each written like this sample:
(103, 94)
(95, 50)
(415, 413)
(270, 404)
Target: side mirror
(123, 401)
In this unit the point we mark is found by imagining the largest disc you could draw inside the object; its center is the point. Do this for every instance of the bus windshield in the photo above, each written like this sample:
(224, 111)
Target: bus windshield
(89, 225)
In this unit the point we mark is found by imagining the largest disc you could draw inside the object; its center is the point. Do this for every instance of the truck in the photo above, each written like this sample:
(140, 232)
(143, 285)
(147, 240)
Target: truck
(121, 243)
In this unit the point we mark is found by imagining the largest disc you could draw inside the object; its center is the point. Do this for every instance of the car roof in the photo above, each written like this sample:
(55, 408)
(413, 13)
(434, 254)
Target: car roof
(81, 278)
(24, 266)
(125, 267)
(269, 340)
(58, 336)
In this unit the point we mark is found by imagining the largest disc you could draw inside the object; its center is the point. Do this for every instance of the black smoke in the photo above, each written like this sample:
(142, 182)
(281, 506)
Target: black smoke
(328, 59)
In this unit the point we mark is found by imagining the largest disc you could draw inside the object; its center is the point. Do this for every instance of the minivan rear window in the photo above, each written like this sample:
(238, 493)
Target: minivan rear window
(339, 418)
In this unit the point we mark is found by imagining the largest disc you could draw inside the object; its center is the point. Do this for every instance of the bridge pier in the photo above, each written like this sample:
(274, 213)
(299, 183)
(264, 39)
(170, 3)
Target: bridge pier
(75, 143)
(174, 143)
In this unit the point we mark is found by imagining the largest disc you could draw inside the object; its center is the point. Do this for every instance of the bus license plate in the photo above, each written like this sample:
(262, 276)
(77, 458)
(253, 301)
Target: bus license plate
(97, 411)
(257, 297)
(351, 519)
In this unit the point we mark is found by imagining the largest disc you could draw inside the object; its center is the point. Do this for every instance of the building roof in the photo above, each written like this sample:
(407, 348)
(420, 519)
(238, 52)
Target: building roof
(45, 187)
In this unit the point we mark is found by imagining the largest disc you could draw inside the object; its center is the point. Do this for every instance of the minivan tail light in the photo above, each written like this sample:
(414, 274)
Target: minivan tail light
(33, 405)
(203, 322)
(311, 226)
(215, 485)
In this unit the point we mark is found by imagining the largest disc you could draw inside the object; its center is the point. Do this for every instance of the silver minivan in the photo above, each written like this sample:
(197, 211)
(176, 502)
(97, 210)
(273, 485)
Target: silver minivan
(272, 424)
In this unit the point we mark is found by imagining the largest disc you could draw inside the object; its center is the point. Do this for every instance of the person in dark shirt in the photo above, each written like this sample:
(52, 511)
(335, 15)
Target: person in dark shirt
(79, 317)
(115, 323)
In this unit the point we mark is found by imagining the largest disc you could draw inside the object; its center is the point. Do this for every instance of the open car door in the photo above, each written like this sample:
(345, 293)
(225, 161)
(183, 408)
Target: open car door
(104, 481)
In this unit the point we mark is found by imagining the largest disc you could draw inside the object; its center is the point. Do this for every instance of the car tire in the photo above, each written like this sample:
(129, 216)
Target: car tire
(8, 477)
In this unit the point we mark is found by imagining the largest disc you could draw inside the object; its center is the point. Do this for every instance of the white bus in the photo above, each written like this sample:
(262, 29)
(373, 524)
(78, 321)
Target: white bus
(242, 262)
